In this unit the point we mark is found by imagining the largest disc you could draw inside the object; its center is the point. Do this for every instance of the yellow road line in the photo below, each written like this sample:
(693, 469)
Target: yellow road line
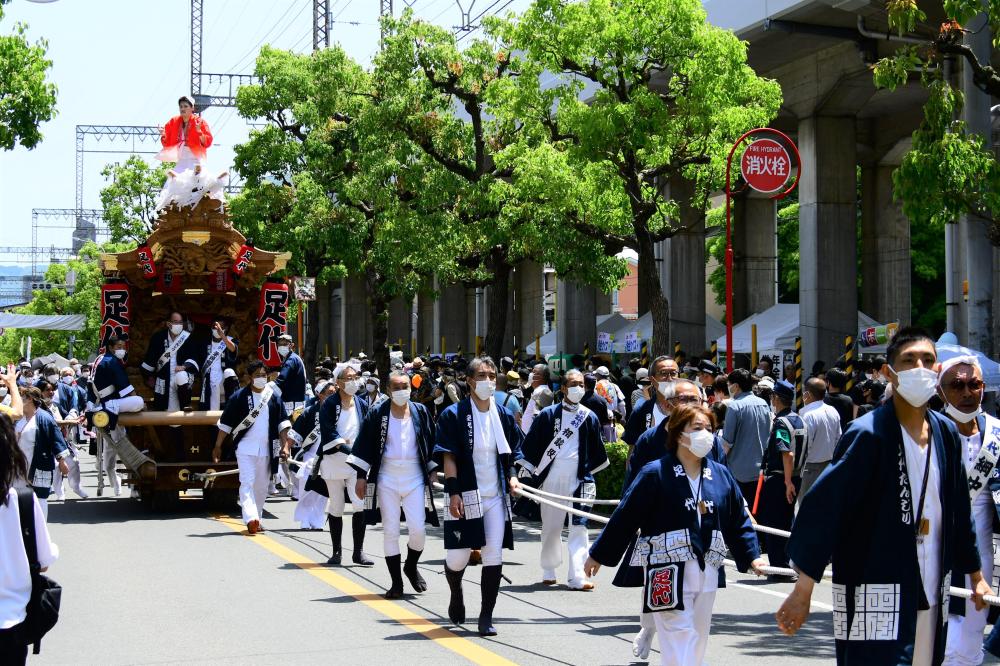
(443, 637)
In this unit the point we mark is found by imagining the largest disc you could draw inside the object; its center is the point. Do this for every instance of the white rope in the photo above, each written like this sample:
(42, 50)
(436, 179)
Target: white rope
(595, 502)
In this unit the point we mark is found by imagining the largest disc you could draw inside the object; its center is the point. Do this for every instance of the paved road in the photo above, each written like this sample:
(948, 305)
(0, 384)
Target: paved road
(186, 587)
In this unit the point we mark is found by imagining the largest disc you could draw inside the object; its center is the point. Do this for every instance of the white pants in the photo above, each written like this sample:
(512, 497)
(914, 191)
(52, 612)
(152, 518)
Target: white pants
(109, 462)
(923, 642)
(338, 476)
(965, 634)
(494, 522)
(310, 512)
(130, 403)
(214, 395)
(684, 634)
(73, 476)
(255, 472)
(400, 490)
(562, 480)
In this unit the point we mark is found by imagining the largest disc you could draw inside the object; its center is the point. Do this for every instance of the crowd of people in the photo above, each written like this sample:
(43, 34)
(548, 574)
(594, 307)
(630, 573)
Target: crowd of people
(890, 472)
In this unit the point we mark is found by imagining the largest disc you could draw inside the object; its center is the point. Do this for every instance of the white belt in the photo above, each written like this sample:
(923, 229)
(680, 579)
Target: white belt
(401, 466)
(106, 391)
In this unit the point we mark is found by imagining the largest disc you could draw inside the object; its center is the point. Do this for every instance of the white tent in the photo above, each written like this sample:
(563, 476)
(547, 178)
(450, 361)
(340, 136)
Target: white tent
(777, 328)
(605, 324)
(46, 322)
(643, 327)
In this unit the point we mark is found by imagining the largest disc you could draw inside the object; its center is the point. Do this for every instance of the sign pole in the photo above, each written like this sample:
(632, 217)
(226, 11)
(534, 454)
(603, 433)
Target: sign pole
(761, 175)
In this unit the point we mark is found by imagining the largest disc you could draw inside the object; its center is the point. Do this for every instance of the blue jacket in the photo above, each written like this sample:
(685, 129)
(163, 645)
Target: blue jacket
(190, 355)
(49, 446)
(639, 421)
(329, 415)
(291, 381)
(237, 409)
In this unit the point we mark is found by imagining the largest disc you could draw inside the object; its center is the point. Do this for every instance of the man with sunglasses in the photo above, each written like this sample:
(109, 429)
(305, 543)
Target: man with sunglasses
(961, 387)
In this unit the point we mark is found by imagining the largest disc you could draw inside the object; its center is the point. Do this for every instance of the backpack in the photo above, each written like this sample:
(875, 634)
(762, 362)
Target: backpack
(43, 605)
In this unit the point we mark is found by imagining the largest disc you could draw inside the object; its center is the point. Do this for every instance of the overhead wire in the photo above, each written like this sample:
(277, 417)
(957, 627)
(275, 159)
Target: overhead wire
(251, 54)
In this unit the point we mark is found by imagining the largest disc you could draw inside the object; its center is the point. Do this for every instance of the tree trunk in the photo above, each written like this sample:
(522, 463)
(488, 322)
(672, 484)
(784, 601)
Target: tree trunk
(380, 325)
(499, 294)
(649, 283)
(312, 335)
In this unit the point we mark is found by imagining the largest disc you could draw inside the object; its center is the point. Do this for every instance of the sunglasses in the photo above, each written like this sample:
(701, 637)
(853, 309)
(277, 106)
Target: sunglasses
(687, 399)
(959, 385)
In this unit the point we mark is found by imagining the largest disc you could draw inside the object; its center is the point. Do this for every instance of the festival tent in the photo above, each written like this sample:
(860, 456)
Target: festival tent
(605, 324)
(643, 328)
(43, 322)
(777, 328)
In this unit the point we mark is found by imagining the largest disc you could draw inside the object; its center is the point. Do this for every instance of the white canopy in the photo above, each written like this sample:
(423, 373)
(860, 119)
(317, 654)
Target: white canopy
(618, 326)
(777, 328)
(45, 322)
(605, 324)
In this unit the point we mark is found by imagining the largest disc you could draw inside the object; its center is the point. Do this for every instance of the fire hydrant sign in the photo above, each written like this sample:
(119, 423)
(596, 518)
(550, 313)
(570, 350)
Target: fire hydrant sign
(765, 165)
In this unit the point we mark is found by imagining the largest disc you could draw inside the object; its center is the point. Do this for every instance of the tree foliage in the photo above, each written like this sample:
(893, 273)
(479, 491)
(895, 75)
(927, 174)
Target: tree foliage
(949, 170)
(129, 199)
(644, 93)
(27, 97)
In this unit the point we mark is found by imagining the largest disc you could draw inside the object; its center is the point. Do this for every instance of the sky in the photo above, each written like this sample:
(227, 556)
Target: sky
(125, 62)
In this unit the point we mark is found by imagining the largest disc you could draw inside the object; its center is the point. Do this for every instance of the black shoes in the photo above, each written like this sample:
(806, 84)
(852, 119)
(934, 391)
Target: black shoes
(456, 606)
(411, 571)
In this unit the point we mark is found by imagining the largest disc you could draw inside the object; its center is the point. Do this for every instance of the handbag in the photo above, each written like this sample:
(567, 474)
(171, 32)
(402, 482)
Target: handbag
(43, 605)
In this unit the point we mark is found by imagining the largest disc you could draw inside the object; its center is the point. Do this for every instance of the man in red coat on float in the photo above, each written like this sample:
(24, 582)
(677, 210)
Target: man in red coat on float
(185, 138)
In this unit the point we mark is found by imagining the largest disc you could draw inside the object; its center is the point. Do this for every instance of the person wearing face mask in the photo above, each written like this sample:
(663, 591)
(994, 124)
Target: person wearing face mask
(220, 355)
(961, 387)
(173, 359)
(539, 395)
(49, 373)
(310, 510)
(746, 431)
(650, 447)
(340, 420)
(478, 443)
(66, 395)
(10, 396)
(258, 423)
(372, 393)
(290, 385)
(688, 511)
(50, 404)
(83, 436)
(781, 472)
(562, 452)
(649, 413)
(392, 456)
(892, 512)
(43, 446)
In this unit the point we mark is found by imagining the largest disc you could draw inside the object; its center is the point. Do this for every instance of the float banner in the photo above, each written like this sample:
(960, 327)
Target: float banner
(272, 321)
(116, 311)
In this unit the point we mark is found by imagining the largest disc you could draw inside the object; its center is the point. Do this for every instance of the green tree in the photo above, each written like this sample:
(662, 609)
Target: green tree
(642, 93)
(27, 97)
(83, 300)
(129, 199)
(949, 171)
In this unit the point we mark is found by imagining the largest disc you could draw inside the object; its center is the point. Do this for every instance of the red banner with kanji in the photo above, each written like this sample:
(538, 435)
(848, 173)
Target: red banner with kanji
(272, 321)
(116, 311)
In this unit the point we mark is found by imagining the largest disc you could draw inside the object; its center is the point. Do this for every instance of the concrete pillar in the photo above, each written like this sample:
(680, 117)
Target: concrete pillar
(602, 303)
(450, 315)
(324, 303)
(885, 248)
(685, 286)
(529, 307)
(508, 324)
(357, 317)
(755, 260)
(474, 324)
(978, 331)
(828, 295)
(576, 313)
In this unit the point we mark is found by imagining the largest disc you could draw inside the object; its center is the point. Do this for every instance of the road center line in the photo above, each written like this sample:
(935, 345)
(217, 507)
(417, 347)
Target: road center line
(443, 637)
(817, 604)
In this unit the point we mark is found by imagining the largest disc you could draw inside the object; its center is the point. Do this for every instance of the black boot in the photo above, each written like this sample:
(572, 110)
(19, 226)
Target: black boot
(336, 533)
(490, 588)
(396, 590)
(411, 571)
(358, 527)
(456, 606)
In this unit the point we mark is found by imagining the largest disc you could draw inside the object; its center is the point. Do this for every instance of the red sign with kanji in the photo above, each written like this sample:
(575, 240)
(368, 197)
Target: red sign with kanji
(765, 165)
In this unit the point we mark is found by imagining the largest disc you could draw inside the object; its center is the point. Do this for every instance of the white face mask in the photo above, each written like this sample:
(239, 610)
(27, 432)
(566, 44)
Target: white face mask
(917, 385)
(485, 389)
(259, 383)
(575, 394)
(351, 387)
(120, 353)
(283, 350)
(699, 442)
(372, 388)
(67, 380)
(52, 378)
(401, 397)
(960, 416)
(665, 389)
(176, 328)
(216, 335)
(3, 392)
(759, 372)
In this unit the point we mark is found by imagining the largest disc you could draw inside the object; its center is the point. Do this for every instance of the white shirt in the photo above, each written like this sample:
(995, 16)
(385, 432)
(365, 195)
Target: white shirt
(822, 423)
(658, 416)
(982, 507)
(571, 447)
(928, 556)
(26, 438)
(15, 576)
(528, 416)
(255, 442)
(215, 370)
(400, 441)
(484, 453)
(695, 483)
(347, 424)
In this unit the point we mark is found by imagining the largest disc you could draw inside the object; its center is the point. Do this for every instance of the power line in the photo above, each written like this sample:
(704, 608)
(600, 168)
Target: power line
(251, 54)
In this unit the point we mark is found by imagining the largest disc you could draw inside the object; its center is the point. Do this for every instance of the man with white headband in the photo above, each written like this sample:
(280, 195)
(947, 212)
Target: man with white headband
(340, 420)
(892, 513)
(562, 451)
(310, 511)
(393, 457)
(478, 442)
(961, 387)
